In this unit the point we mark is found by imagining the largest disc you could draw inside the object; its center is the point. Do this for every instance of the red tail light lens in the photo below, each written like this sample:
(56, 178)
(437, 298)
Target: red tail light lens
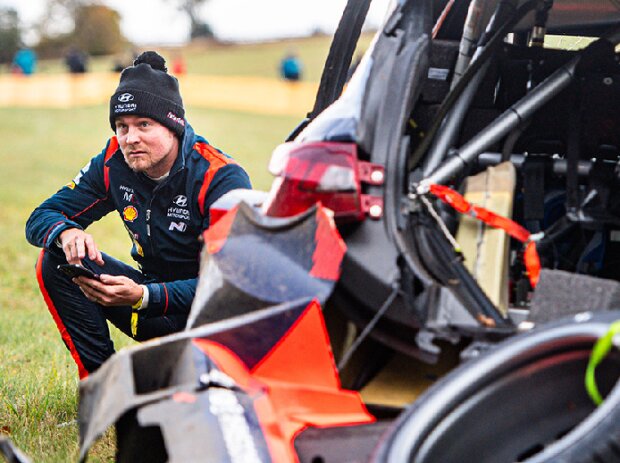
(328, 172)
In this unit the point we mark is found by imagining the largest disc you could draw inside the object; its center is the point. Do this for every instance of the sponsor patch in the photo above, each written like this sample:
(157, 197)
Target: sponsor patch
(70, 185)
(130, 214)
(125, 108)
(178, 213)
(134, 239)
(128, 194)
(180, 200)
(175, 118)
(177, 226)
(125, 97)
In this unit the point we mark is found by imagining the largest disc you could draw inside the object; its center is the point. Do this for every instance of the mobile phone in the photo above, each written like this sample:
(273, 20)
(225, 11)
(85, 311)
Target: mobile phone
(74, 270)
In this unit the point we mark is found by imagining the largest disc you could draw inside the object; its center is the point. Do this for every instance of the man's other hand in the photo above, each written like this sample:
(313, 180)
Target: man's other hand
(110, 291)
(77, 244)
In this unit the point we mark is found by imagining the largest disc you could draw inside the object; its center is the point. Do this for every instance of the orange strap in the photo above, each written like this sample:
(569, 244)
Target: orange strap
(460, 204)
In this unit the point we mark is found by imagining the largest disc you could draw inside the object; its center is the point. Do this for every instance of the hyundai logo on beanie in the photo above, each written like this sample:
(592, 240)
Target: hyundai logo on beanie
(146, 89)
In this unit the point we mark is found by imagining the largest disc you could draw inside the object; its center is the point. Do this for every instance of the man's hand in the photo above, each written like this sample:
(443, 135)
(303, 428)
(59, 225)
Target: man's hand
(77, 244)
(110, 291)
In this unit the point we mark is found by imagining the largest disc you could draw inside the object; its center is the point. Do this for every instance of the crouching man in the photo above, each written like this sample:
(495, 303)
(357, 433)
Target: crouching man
(161, 178)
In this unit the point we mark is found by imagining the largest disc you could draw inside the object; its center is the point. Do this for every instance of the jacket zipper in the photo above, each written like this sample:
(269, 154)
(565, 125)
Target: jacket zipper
(148, 211)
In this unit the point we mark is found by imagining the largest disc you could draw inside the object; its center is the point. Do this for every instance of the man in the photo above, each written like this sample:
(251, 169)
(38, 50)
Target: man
(161, 178)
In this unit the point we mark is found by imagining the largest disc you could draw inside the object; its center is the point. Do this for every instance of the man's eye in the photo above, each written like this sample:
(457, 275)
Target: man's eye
(144, 124)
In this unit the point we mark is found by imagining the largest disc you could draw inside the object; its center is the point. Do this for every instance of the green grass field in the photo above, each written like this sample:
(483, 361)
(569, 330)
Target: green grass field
(41, 150)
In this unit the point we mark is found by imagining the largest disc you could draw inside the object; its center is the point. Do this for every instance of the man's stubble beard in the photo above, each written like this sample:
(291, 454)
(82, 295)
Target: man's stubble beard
(136, 165)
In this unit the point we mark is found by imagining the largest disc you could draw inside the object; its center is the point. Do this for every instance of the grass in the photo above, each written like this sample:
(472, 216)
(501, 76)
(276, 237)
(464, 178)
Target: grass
(41, 150)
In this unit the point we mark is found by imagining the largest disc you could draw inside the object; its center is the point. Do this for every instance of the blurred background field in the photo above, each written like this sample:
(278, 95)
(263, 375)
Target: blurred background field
(42, 149)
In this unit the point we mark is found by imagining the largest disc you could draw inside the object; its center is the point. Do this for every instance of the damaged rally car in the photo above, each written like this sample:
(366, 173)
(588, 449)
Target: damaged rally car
(454, 210)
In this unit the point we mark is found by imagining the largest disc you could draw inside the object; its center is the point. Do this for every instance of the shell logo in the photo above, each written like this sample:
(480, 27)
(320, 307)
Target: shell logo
(130, 214)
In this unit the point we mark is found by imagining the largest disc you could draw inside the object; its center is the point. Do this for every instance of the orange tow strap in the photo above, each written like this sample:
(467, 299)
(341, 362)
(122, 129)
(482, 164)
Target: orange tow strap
(460, 204)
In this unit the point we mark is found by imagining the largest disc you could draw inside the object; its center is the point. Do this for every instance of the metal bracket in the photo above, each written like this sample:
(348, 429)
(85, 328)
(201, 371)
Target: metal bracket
(373, 174)
(372, 205)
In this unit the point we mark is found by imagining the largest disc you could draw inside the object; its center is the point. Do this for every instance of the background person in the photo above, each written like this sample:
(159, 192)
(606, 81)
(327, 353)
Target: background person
(179, 68)
(24, 62)
(76, 61)
(291, 67)
(161, 178)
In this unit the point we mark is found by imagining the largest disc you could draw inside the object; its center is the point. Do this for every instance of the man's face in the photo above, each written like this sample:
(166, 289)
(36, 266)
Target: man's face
(147, 145)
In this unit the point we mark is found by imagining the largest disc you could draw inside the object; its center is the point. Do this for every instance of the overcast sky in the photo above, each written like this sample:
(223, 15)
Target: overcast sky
(159, 22)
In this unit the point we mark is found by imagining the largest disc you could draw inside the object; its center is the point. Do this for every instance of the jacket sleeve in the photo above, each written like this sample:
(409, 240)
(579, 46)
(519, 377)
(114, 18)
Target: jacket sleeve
(229, 177)
(76, 205)
(177, 296)
(170, 298)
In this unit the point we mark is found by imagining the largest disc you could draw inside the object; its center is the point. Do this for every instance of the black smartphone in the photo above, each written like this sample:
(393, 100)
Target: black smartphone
(74, 270)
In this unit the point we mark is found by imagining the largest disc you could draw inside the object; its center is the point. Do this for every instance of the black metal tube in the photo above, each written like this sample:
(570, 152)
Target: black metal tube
(511, 118)
(458, 100)
(447, 135)
(556, 166)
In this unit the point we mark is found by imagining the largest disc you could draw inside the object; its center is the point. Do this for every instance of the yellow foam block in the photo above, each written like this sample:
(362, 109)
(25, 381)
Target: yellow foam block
(486, 249)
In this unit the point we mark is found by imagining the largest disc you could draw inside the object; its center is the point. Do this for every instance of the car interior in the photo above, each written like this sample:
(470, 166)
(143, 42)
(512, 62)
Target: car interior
(527, 129)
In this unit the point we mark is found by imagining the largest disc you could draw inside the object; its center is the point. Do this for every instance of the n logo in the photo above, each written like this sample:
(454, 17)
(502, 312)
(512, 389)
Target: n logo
(128, 196)
(177, 226)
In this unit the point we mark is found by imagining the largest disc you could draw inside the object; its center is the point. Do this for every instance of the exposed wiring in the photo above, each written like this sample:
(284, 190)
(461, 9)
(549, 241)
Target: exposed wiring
(441, 223)
(442, 17)
(368, 328)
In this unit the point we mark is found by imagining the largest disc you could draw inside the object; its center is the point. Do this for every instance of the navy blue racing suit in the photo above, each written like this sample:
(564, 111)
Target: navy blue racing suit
(164, 222)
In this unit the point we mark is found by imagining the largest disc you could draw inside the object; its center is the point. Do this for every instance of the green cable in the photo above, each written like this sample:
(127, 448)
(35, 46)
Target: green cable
(601, 348)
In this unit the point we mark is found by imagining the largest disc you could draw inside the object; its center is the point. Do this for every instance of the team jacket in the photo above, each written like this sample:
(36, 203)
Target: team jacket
(164, 220)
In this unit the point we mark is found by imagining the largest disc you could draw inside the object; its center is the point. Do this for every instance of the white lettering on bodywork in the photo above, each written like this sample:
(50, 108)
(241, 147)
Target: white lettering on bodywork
(224, 404)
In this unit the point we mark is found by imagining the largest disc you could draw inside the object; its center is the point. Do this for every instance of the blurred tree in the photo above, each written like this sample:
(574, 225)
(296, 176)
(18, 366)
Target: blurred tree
(10, 34)
(199, 28)
(97, 30)
(92, 26)
(58, 19)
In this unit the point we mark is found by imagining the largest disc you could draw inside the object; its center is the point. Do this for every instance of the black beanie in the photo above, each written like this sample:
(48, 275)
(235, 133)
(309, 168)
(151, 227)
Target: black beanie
(146, 89)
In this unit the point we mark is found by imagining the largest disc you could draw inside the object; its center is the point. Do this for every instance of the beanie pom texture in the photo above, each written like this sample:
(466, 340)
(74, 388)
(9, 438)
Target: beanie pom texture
(153, 59)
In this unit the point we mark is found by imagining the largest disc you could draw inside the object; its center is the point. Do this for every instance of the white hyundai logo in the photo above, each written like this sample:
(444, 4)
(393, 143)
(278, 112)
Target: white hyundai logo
(125, 97)
(180, 200)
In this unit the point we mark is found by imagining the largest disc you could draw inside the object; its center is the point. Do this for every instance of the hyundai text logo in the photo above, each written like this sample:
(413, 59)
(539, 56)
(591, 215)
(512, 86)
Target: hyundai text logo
(125, 97)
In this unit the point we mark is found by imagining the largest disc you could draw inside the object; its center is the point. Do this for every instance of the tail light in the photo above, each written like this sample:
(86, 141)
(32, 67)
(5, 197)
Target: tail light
(326, 172)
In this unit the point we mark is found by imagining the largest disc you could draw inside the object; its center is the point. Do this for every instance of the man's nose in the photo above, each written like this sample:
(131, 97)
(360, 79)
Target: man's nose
(133, 135)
